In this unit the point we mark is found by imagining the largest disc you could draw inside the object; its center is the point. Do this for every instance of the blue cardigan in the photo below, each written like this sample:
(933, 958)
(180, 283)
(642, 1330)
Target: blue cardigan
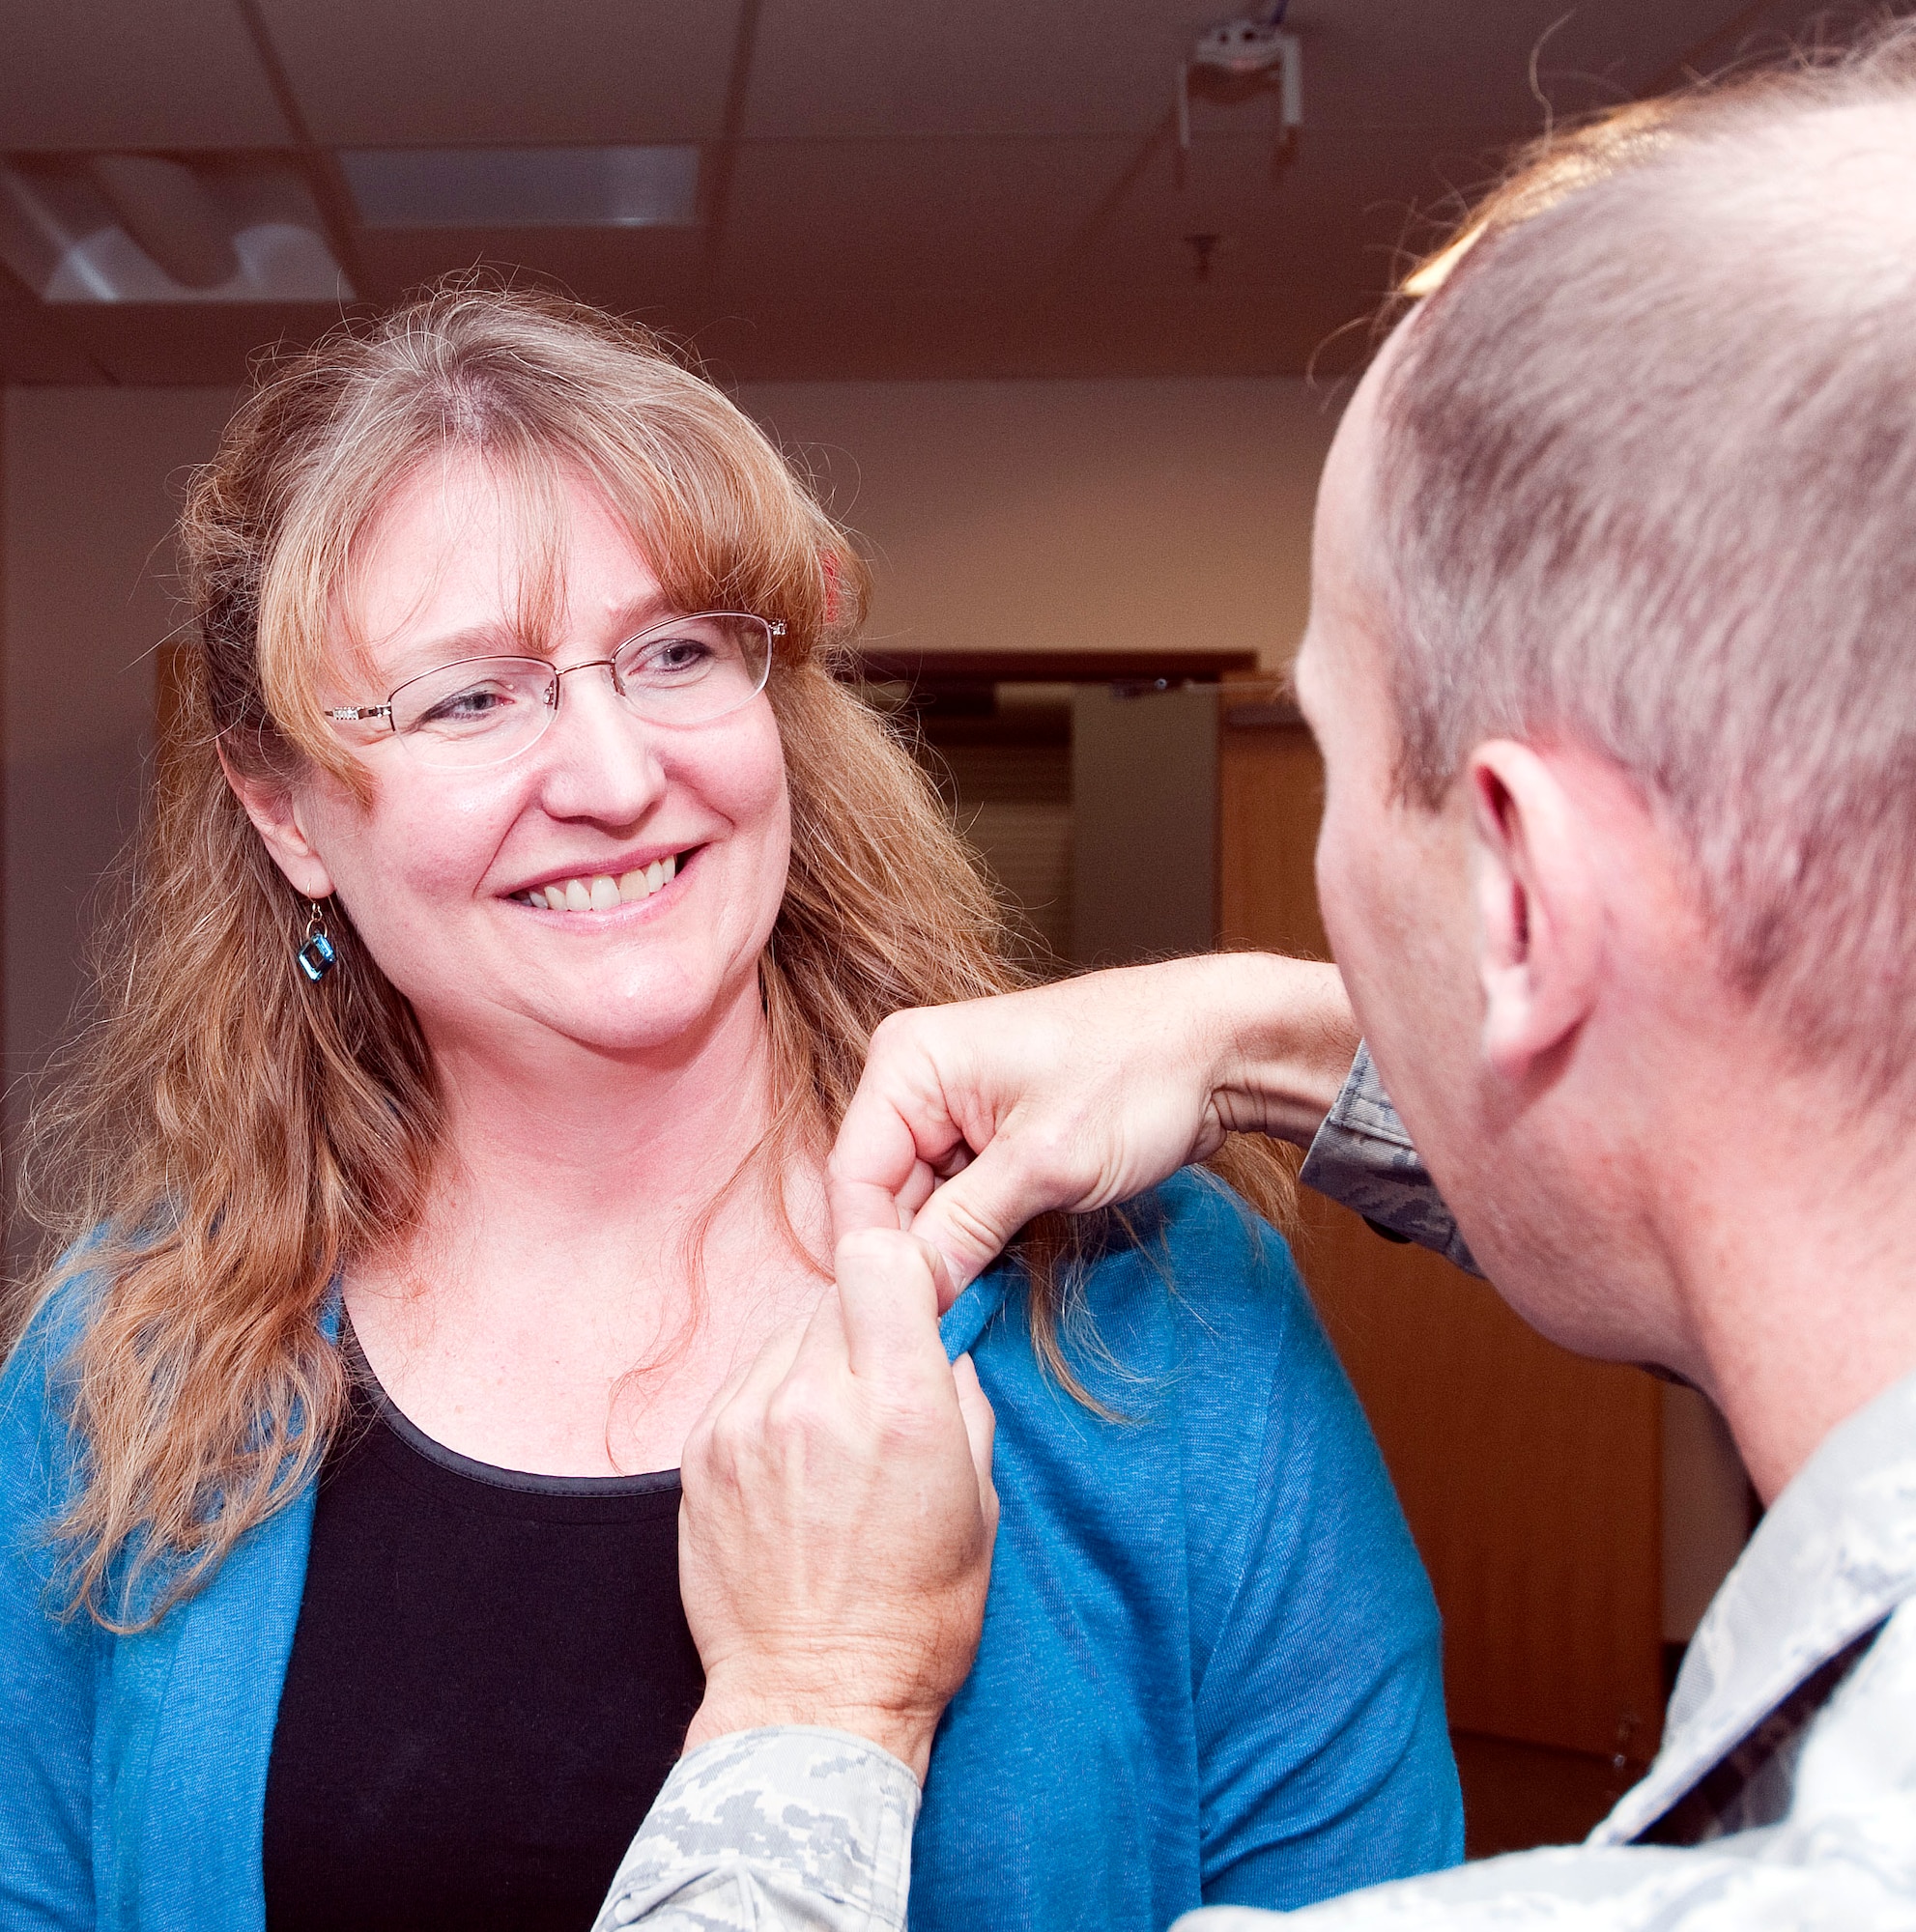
(1209, 1671)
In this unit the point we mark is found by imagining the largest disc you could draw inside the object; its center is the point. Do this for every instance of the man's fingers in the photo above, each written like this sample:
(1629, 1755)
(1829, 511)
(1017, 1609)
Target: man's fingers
(972, 1216)
(751, 1385)
(897, 1127)
(888, 1303)
(857, 1205)
(981, 1428)
(914, 1194)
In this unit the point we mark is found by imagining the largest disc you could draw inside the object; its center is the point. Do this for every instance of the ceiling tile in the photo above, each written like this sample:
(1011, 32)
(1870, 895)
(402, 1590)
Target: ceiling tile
(370, 73)
(133, 74)
(1398, 63)
(166, 343)
(920, 197)
(33, 346)
(873, 68)
(890, 215)
(1347, 211)
(621, 270)
(824, 335)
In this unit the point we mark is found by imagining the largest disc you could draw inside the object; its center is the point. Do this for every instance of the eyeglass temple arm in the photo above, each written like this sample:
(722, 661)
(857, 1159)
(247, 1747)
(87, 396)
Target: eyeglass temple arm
(353, 714)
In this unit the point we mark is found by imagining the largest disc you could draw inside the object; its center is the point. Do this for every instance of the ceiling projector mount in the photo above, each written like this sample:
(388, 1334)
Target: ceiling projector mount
(1250, 55)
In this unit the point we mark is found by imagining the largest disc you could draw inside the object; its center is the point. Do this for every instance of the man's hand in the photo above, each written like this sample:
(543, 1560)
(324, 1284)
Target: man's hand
(1081, 1094)
(835, 1538)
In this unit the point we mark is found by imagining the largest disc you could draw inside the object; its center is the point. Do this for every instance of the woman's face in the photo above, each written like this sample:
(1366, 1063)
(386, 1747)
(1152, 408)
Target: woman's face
(437, 872)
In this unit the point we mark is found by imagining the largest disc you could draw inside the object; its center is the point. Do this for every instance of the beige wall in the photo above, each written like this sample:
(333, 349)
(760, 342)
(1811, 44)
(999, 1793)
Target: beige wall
(1071, 516)
(92, 482)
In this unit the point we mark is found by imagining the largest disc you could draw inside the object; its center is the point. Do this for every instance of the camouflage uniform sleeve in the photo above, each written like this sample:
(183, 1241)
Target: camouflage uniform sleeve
(1618, 1889)
(1363, 1159)
(769, 1831)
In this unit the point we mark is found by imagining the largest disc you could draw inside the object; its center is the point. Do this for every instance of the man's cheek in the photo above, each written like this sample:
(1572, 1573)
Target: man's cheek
(1346, 933)
(1346, 889)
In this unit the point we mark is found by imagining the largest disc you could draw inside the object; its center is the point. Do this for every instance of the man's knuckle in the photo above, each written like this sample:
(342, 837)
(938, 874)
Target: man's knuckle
(733, 1433)
(797, 1413)
(1052, 1150)
(887, 1247)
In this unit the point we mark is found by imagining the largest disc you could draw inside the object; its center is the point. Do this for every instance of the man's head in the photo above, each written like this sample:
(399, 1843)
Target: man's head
(1614, 658)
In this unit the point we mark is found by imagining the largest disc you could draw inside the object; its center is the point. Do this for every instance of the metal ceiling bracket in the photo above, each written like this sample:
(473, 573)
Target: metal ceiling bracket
(1247, 50)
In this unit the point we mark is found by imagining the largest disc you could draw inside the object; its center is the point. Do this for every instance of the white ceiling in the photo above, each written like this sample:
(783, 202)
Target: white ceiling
(891, 189)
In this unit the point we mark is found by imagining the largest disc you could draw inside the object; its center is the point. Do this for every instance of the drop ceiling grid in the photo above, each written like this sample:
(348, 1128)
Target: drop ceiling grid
(132, 74)
(1397, 64)
(456, 73)
(874, 69)
(1337, 216)
(875, 139)
(951, 213)
(932, 188)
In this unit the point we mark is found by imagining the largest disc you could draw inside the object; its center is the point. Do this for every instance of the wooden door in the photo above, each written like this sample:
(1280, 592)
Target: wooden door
(1530, 1478)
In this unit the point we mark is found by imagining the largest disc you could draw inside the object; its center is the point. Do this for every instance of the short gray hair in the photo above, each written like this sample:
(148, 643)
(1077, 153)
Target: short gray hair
(1647, 480)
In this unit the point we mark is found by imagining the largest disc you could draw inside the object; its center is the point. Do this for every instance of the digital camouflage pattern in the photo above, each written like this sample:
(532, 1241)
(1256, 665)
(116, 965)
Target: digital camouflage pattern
(768, 1829)
(1363, 1159)
(1783, 1796)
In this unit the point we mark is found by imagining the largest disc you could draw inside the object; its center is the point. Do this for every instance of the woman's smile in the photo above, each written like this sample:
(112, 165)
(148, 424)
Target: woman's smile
(610, 890)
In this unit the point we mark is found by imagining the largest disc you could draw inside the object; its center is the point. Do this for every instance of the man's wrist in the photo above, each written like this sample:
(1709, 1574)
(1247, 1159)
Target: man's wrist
(728, 1708)
(1282, 1038)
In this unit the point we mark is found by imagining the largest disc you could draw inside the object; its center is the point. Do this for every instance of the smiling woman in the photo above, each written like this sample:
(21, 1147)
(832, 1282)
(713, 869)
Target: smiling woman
(349, 1422)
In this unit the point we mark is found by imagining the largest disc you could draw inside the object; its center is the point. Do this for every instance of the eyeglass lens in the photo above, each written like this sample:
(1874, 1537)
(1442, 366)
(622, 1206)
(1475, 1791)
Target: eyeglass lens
(484, 710)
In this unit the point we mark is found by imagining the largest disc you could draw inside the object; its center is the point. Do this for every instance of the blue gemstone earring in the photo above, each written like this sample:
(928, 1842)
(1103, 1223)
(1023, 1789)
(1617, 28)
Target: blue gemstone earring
(316, 955)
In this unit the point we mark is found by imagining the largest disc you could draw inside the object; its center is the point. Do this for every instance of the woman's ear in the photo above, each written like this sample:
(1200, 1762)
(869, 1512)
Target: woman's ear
(275, 809)
(1539, 911)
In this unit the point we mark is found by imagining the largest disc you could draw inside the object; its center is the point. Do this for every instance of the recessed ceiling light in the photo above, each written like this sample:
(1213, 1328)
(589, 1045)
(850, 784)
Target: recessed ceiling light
(525, 187)
(146, 228)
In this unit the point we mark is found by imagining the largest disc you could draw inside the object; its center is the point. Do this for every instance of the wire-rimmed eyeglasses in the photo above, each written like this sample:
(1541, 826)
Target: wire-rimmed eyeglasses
(481, 711)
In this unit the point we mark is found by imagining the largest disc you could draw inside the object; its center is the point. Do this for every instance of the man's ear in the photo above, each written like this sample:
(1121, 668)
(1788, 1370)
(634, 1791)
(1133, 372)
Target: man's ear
(274, 810)
(1539, 913)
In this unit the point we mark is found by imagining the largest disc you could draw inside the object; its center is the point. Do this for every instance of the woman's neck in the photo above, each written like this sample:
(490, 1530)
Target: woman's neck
(561, 1250)
(599, 1139)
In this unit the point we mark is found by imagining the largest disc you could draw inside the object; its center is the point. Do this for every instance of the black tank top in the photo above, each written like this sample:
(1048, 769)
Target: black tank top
(490, 1680)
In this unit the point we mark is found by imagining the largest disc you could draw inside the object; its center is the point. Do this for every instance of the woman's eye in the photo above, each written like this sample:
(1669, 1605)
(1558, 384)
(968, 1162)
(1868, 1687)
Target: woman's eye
(468, 707)
(672, 657)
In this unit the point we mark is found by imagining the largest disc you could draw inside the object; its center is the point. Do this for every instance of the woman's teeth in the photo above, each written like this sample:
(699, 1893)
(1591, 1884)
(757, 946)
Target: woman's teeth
(601, 891)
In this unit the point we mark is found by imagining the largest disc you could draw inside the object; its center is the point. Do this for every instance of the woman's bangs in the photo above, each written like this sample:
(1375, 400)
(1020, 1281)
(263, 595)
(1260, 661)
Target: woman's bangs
(311, 618)
(709, 503)
(711, 545)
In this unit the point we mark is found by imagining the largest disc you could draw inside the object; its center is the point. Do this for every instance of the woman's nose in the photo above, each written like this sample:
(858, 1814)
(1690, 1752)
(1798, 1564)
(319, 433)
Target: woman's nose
(601, 758)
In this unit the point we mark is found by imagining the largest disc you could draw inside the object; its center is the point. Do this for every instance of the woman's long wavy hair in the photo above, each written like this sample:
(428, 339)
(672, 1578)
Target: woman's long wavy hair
(223, 1137)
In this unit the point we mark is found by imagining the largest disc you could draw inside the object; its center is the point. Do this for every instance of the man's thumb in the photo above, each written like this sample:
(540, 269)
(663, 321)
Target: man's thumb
(972, 1216)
